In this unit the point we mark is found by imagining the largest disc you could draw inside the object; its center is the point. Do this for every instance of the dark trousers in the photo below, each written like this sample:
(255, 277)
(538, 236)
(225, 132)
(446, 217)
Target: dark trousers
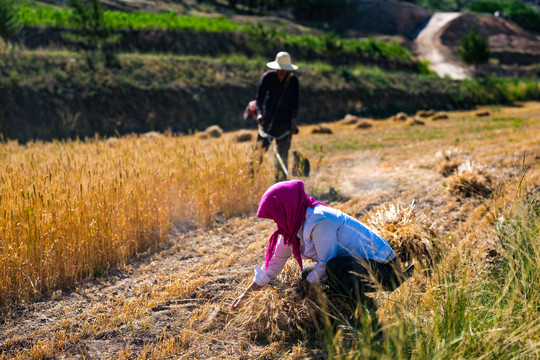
(283, 146)
(351, 278)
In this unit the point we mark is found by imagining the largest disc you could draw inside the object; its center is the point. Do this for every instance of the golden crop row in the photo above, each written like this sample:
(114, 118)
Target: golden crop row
(71, 209)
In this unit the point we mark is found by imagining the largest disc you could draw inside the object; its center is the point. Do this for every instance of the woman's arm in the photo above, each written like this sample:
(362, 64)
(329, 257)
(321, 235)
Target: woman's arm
(263, 275)
(324, 238)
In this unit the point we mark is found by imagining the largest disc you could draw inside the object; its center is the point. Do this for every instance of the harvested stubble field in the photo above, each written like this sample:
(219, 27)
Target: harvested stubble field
(442, 193)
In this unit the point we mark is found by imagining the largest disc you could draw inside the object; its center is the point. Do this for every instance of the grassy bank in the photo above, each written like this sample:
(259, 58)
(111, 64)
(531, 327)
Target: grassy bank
(58, 94)
(487, 310)
(259, 37)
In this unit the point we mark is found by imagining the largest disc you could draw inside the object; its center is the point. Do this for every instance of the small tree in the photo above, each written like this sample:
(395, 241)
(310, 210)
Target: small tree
(9, 20)
(91, 31)
(474, 48)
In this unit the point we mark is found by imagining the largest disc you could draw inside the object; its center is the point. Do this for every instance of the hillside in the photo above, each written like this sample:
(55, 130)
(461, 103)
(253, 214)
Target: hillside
(148, 81)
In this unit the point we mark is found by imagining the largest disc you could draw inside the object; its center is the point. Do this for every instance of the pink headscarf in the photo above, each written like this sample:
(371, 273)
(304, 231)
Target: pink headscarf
(286, 203)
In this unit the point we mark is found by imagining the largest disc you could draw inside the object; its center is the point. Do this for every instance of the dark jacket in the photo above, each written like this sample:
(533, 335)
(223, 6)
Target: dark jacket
(277, 121)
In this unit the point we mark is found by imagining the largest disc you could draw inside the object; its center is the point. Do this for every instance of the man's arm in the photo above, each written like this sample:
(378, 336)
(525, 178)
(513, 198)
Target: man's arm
(294, 104)
(262, 89)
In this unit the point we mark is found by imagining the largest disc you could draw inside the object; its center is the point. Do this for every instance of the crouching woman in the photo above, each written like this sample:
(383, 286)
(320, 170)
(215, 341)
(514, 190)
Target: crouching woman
(350, 259)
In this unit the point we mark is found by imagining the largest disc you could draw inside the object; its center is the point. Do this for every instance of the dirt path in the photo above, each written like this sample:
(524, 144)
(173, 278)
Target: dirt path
(428, 46)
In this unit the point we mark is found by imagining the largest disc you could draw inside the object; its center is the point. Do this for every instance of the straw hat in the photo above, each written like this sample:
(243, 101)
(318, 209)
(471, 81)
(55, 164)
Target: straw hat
(282, 62)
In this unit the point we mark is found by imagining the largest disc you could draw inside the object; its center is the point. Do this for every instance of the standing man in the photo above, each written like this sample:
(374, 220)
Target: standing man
(277, 107)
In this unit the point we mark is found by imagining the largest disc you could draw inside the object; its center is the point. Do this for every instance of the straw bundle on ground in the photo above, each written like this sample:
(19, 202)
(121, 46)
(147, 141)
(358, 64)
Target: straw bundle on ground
(243, 136)
(415, 121)
(400, 117)
(410, 235)
(448, 161)
(440, 116)
(425, 113)
(471, 180)
(213, 131)
(322, 129)
(364, 124)
(349, 120)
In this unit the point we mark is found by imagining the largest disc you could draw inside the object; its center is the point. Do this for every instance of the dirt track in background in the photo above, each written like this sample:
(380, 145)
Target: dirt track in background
(178, 298)
(428, 46)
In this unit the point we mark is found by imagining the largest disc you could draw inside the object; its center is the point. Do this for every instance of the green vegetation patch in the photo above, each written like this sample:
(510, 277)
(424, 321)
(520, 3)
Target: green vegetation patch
(39, 15)
(261, 38)
(327, 43)
(516, 10)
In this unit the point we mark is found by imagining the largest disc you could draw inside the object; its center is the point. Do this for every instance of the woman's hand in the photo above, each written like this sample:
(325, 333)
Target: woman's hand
(239, 300)
(294, 129)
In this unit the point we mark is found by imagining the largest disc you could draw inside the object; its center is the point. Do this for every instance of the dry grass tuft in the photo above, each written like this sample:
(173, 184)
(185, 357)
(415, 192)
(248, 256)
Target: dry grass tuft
(213, 131)
(448, 167)
(448, 161)
(350, 120)
(440, 116)
(322, 129)
(425, 113)
(471, 180)
(482, 113)
(410, 235)
(448, 154)
(243, 136)
(364, 124)
(400, 117)
(415, 121)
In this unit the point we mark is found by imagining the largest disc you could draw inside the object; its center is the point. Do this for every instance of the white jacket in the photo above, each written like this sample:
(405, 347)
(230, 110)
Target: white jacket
(327, 233)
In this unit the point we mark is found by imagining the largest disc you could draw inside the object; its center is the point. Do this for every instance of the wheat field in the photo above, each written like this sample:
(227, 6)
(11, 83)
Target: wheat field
(73, 209)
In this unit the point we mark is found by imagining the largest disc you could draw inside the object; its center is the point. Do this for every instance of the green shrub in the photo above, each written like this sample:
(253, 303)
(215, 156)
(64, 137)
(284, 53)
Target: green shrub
(423, 68)
(474, 48)
(516, 10)
(9, 20)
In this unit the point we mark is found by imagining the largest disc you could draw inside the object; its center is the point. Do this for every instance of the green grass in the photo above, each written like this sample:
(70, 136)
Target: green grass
(158, 71)
(517, 11)
(48, 80)
(260, 36)
(469, 312)
(39, 15)
(328, 43)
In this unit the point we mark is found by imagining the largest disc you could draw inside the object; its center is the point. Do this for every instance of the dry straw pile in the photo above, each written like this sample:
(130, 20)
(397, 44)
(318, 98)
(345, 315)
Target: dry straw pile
(448, 160)
(322, 129)
(213, 131)
(69, 210)
(411, 235)
(471, 179)
(279, 313)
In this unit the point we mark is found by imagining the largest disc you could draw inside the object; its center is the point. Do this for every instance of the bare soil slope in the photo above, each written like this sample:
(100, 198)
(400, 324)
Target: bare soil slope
(508, 42)
(440, 39)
